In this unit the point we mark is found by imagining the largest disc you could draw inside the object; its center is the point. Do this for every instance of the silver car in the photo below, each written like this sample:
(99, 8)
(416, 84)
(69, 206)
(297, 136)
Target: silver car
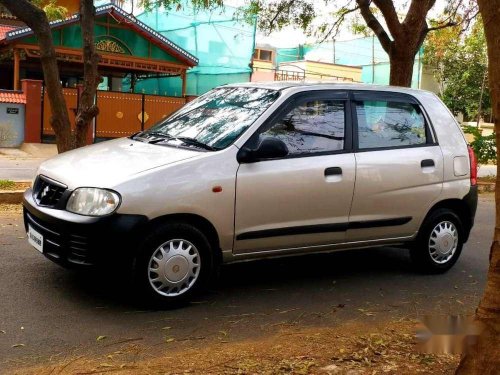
(261, 170)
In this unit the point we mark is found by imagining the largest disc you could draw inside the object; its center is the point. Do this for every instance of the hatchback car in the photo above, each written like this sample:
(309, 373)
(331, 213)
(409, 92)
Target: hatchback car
(261, 170)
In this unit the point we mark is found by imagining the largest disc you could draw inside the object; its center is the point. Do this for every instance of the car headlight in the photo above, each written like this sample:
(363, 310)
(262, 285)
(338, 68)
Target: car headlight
(93, 202)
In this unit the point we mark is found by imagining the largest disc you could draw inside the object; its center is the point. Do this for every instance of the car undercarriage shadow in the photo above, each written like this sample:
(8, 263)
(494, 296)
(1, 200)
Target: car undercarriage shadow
(315, 271)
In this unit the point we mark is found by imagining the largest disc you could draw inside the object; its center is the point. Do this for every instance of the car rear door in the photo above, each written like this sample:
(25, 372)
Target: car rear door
(399, 171)
(304, 198)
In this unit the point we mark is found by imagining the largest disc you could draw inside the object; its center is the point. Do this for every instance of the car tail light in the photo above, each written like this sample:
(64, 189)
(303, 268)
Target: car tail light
(473, 166)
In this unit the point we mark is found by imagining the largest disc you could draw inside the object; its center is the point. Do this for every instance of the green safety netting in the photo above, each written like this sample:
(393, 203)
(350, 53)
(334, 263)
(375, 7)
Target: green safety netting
(223, 44)
(365, 52)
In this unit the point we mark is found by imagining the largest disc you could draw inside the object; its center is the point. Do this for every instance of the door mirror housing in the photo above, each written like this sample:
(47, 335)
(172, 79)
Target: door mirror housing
(269, 148)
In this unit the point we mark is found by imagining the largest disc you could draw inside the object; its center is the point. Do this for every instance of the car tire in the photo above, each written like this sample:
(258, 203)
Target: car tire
(174, 263)
(439, 242)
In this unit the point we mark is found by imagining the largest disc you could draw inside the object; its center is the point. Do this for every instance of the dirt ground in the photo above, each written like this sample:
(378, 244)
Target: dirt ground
(353, 348)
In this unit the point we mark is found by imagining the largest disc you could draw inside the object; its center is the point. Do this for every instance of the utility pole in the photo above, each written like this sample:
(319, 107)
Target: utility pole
(373, 58)
(334, 51)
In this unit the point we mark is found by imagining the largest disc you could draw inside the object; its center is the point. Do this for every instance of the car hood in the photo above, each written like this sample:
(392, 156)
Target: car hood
(108, 163)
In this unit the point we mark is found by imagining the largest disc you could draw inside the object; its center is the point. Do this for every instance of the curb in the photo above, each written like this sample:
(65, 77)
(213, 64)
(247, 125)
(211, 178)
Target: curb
(11, 196)
(486, 187)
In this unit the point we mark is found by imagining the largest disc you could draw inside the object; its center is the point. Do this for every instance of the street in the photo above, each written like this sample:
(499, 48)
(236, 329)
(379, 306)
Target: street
(18, 169)
(48, 312)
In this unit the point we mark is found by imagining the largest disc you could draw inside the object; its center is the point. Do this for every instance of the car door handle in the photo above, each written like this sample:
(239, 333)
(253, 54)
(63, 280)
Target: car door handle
(427, 163)
(333, 171)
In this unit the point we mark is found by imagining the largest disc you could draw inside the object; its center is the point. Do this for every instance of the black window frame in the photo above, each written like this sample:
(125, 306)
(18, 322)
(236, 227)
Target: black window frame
(292, 102)
(395, 97)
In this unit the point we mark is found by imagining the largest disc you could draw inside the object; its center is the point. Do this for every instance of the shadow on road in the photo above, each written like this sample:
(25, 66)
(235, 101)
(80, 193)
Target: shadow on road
(287, 274)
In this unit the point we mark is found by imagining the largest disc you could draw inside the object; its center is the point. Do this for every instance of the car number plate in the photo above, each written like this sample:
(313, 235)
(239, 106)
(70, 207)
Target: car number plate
(35, 239)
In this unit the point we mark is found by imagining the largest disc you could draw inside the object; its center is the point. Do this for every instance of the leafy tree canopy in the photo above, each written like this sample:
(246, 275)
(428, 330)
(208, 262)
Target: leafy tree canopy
(51, 9)
(459, 63)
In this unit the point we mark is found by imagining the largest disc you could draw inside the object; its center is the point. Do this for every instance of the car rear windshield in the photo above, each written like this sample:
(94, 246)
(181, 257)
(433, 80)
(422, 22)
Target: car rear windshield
(219, 117)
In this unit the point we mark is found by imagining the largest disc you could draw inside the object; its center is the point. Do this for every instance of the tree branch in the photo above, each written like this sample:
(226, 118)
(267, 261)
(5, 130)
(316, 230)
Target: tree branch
(336, 25)
(390, 16)
(417, 14)
(444, 26)
(374, 24)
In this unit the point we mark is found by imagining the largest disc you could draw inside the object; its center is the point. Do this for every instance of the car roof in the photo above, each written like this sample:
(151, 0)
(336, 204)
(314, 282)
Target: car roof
(284, 85)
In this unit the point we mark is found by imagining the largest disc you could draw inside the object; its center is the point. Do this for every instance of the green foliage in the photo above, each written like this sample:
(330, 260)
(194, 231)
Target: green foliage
(51, 9)
(484, 146)
(460, 63)
(6, 184)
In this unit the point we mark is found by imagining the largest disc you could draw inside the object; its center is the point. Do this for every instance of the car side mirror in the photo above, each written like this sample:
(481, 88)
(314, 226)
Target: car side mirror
(269, 148)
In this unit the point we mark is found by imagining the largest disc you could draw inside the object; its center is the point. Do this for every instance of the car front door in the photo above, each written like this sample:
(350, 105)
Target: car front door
(399, 166)
(302, 199)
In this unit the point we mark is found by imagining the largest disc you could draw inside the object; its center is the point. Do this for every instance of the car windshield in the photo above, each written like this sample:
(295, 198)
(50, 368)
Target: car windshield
(215, 119)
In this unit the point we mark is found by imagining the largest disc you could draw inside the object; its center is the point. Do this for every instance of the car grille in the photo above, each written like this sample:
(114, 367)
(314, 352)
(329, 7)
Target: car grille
(47, 192)
(60, 245)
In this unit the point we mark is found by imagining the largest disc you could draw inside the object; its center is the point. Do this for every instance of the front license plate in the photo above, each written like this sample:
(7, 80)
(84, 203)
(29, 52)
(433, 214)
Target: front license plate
(35, 239)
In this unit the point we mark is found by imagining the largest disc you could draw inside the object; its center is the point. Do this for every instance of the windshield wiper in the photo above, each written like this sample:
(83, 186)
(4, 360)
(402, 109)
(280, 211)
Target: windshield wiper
(195, 142)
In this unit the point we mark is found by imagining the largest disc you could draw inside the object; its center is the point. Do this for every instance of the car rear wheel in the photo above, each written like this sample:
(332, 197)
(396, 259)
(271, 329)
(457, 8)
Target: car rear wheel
(439, 242)
(173, 264)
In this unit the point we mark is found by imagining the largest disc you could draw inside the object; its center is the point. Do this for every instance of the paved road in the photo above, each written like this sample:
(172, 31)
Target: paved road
(54, 312)
(18, 169)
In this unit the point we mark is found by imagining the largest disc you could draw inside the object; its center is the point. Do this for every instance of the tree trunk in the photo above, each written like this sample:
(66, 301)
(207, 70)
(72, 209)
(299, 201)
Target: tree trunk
(401, 68)
(37, 20)
(484, 356)
(87, 110)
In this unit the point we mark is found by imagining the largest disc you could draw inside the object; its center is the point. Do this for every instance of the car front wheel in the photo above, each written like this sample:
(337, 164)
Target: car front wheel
(174, 263)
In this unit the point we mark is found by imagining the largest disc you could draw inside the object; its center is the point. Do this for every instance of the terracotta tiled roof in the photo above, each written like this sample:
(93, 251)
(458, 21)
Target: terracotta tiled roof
(4, 29)
(16, 97)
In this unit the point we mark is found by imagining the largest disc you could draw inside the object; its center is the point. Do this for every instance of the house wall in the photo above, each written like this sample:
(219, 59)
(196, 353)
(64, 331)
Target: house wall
(11, 124)
(319, 70)
(223, 44)
(134, 44)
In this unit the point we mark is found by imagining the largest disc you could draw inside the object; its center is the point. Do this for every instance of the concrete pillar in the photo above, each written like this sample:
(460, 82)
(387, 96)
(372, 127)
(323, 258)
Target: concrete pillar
(17, 60)
(32, 90)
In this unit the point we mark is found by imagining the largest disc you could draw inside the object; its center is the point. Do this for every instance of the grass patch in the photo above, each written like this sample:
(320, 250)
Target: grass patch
(489, 178)
(7, 184)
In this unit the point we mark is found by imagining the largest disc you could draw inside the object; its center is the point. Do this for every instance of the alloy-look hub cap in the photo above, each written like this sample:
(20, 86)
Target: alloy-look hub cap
(174, 267)
(443, 242)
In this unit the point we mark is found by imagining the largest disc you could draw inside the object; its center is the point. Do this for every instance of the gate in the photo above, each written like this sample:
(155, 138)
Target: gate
(71, 97)
(120, 113)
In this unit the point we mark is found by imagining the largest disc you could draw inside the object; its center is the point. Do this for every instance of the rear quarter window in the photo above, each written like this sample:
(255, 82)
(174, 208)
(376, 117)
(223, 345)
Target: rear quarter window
(386, 124)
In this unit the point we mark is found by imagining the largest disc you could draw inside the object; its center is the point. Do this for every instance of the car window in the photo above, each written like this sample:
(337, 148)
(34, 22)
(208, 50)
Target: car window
(312, 126)
(218, 117)
(384, 124)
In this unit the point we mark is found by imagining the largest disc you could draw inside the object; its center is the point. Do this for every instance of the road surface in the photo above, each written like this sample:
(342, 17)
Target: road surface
(53, 312)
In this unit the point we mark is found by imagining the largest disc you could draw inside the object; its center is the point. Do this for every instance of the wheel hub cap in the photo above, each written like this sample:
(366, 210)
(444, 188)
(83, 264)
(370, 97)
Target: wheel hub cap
(443, 242)
(174, 267)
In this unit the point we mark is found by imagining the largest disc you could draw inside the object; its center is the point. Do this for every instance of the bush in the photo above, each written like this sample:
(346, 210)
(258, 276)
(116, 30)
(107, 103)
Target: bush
(484, 146)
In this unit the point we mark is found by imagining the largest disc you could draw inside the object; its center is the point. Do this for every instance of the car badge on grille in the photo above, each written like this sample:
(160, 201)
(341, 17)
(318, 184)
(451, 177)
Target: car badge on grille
(45, 191)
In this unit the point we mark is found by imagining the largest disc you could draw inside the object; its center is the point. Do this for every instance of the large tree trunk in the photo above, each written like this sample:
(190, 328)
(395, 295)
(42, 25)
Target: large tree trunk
(87, 110)
(484, 357)
(37, 20)
(401, 68)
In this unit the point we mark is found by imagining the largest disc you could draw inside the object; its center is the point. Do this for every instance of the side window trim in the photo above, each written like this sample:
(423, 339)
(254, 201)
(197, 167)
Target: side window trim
(371, 95)
(340, 95)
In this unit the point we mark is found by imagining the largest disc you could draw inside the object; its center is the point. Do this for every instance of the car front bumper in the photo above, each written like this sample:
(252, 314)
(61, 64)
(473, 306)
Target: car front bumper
(73, 240)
